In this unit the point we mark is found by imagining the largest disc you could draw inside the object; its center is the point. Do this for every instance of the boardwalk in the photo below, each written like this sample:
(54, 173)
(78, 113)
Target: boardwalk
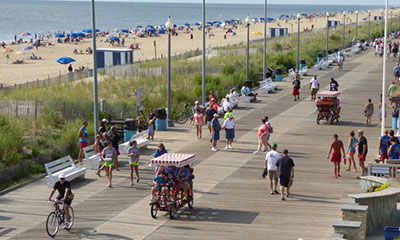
(232, 201)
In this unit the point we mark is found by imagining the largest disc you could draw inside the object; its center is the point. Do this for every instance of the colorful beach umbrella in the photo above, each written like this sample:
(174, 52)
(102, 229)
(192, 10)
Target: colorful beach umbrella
(65, 60)
(7, 50)
(113, 38)
(24, 34)
(59, 35)
(28, 48)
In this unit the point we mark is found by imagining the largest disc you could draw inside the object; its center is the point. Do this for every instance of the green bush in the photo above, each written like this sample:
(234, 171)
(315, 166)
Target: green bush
(11, 142)
(228, 69)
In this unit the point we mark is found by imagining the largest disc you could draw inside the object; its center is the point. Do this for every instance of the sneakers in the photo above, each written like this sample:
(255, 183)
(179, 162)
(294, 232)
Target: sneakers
(214, 149)
(230, 147)
(137, 179)
(226, 147)
(66, 224)
(256, 152)
(131, 184)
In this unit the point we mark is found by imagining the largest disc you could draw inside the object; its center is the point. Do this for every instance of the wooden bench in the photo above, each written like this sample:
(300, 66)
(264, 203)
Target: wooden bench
(141, 139)
(92, 159)
(64, 166)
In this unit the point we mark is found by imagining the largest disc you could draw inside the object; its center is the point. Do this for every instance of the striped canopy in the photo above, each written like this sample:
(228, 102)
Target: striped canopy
(173, 159)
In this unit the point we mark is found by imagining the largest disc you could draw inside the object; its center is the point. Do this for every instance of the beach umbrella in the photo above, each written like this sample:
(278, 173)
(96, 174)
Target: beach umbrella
(364, 19)
(162, 31)
(24, 34)
(27, 48)
(140, 26)
(270, 19)
(197, 24)
(77, 34)
(187, 24)
(65, 60)
(257, 33)
(209, 23)
(7, 50)
(113, 38)
(59, 35)
(175, 25)
(89, 30)
(150, 26)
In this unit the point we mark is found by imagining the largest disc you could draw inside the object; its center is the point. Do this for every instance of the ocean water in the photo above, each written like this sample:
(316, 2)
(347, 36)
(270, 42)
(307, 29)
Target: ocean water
(34, 16)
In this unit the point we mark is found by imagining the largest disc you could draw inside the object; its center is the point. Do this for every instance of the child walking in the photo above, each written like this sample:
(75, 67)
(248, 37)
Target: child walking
(109, 155)
(150, 128)
(134, 154)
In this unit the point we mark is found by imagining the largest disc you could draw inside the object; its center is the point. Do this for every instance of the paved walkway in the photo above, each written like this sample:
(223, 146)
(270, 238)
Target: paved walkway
(231, 199)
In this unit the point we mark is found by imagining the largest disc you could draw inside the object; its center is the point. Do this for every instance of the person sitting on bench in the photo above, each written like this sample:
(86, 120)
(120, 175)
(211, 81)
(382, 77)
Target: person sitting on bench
(247, 92)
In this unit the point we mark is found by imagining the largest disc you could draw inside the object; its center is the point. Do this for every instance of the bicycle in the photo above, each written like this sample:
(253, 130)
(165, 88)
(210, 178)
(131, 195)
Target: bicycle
(56, 218)
(185, 115)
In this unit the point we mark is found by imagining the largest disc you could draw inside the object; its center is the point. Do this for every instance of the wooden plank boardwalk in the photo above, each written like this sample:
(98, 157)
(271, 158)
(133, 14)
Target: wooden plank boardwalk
(232, 201)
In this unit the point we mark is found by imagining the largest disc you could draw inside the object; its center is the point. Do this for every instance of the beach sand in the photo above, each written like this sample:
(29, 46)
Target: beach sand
(33, 70)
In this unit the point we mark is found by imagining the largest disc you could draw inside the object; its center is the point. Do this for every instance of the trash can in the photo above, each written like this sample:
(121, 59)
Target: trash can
(161, 113)
(394, 123)
(336, 50)
(319, 57)
(130, 124)
(279, 74)
(392, 233)
(303, 64)
(161, 124)
(128, 135)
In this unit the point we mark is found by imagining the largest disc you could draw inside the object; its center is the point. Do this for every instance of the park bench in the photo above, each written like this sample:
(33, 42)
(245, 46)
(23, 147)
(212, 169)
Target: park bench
(267, 86)
(291, 74)
(64, 166)
(92, 159)
(141, 139)
(303, 71)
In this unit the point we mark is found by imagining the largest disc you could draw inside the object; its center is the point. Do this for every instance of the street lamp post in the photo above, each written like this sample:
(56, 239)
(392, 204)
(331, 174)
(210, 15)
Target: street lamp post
(203, 63)
(391, 20)
(265, 41)
(344, 31)
(369, 25)
(382, 23)
(356, 25)
(384, 70)
(95, 87)
(327, 33)
(169, 26)
(298, 42)
(247, 21)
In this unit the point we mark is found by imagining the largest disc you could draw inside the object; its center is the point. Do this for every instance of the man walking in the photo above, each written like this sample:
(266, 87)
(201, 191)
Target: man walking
(215, 129)
(384, 143)
(271, 159)
(209, 117)
(314, 87)
(336, 146)
(362, 150)
(286, 173)
(334, 85)
(396, 72)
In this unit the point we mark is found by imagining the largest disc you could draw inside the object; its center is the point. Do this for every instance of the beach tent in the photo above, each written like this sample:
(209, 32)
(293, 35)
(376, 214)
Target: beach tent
(28, 48)
(59, 35)
(65, 60)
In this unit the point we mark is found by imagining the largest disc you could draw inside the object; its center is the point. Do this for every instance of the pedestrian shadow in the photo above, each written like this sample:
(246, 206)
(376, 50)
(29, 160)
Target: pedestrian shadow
(6, 201)
(5, 218)
(217, 215)
(202, 192)
(355, 124)
(313, 199)
(5, 231)
(184, 228)
(107, 236)
(181, 130)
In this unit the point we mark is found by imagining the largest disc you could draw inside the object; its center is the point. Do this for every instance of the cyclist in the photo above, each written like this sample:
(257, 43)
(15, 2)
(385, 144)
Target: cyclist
(65, 196)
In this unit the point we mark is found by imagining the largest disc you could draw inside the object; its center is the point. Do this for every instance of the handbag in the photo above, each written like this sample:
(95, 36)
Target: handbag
(265, 173)
(271, 130)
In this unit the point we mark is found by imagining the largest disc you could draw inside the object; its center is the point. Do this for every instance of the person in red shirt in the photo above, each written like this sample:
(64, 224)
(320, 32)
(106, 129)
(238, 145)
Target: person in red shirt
(212, 96)
(214, 104)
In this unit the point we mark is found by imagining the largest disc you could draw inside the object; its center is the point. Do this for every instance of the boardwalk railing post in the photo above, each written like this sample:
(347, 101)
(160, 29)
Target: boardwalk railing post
(36, 110)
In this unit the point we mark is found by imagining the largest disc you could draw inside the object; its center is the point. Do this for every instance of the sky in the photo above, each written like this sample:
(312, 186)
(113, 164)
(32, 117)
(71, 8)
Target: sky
(329, 2)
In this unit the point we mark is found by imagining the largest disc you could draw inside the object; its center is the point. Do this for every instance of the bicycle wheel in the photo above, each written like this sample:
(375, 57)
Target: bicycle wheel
(190, 201)
(154, 210)
(182, 119)
(172, 211)
(71, 218)
(52, 224)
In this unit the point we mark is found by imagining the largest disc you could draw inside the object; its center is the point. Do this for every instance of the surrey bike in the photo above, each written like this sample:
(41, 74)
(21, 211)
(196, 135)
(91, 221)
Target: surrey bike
(328, 105)
(56, 218)
(172, 197)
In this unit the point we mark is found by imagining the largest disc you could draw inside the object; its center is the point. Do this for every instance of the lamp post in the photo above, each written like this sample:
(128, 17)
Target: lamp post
(265, 41)
(203, 63)
(391, 20)
(384, 69)
(247, 22)
(369, 25)
(383, 28)
(298, 42)
(356, 25)
(95, 87)
(327, 33)
(344, 31)
(169, 26)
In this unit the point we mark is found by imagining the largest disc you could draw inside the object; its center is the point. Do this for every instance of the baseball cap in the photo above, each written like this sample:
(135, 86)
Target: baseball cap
(274, 145)
(197, 102)
(104, 120)
(216, 115)
(61, 176)
(230, 115)
(285, 151)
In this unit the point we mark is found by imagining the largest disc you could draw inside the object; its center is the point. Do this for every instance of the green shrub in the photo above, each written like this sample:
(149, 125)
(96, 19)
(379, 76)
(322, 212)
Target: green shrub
(228, 69)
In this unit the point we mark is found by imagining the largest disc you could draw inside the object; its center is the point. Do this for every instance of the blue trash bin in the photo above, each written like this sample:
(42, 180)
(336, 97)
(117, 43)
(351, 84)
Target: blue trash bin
(319, 57)
(128, 135)
(161, 124)
(392, 232)
(279, 74)
(394, 123)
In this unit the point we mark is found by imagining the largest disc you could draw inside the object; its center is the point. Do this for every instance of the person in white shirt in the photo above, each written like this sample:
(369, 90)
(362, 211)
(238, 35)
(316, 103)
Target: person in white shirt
(314, 87)
(229, 125)
(227, 104)
(271, 159)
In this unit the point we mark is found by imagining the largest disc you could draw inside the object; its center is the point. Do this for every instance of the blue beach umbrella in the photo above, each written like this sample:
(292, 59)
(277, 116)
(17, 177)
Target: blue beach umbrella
(77, 34)
(65, 60)
(209, 23)
(270, 19)
(150, 26)
(124, 30)
(197, 24)
(89, 30)
(59, 35)
(113, 38)
(28, 48)
(187, 24)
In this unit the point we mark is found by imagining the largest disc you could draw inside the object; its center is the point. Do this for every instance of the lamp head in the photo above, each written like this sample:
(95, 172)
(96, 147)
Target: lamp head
(344, 13)
(328, 14)
(169, 24)
(298, 16)
(356, 12)
(247, 21)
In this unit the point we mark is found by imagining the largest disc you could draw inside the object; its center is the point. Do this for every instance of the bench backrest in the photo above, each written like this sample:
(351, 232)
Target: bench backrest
(269, 81)
(59, 164)
(89, 151)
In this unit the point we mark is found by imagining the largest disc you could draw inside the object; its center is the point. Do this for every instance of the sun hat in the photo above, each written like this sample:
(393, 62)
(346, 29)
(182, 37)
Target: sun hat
(61, 176)
(216, 115)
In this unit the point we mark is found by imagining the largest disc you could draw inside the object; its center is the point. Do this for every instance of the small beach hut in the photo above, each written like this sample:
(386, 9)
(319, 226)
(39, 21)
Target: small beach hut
(333, 23)
(377, 18)
(107, 57)
(277, 32)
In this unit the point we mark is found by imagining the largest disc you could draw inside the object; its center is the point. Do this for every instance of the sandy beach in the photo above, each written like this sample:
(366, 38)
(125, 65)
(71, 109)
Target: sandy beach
(33, 70)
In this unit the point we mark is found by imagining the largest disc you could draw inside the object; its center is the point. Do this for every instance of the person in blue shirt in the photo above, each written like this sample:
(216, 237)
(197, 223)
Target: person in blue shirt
(83, 140)
(394, 149)
(185, 178)
(160, 150)
(159, 182)
(384, 143)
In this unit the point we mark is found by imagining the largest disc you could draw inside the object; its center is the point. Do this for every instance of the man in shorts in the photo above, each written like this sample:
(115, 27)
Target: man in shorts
(271, 159)
(286, 173)
(336, 146)
(65, 196)
(384, 143)
(209, 117)
(215, 130)
(314, 87)
(362, 150)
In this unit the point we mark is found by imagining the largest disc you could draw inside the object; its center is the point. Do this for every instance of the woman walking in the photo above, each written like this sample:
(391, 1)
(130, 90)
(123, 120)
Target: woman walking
(109, 156)
(134, 154)
(262, 137)
(369, 111)
(229, 125)
(198, 122)
(351, 150)
(83, 140)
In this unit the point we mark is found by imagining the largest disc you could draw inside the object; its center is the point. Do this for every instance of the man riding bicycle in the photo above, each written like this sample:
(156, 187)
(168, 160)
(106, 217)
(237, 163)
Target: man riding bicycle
(64, 196)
